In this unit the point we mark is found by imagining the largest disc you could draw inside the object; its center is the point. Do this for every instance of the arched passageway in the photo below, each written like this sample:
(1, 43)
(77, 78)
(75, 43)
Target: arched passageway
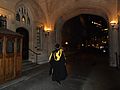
(25, 44)
(86, 34)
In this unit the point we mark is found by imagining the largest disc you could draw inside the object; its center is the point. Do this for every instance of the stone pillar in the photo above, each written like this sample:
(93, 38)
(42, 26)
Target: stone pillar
(58, 27)
(114, 49)
(119, 40)
(50, 41)
(58, 36)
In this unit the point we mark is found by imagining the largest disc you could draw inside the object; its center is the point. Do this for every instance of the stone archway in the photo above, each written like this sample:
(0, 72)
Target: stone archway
(75, 12)
(25, 44)
(85, 25)
(92, 11)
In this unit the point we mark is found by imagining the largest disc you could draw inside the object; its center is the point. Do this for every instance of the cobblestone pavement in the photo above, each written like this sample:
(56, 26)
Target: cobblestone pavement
(82, 76)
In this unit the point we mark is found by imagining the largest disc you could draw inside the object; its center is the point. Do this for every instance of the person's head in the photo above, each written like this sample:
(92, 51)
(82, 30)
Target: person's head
(57, 46)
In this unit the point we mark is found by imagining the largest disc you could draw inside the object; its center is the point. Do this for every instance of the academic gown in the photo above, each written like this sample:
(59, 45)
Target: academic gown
(58, 71)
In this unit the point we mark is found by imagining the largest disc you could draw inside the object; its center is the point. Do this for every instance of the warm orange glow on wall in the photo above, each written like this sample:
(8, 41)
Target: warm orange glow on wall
(47, 29)
(113, 23)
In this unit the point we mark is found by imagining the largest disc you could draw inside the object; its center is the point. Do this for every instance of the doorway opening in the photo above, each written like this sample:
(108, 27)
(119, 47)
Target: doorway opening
(86, 35)
(25, 44)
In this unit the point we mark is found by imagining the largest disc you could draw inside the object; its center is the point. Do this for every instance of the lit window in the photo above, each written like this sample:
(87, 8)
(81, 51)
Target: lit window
(22, 15)
(23, 19)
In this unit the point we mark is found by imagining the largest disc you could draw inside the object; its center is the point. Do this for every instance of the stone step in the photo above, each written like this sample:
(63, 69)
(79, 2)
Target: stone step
(28, 66)
(26, 62)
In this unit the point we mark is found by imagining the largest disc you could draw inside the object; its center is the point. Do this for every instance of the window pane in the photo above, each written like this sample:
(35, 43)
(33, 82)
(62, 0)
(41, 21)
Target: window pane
(10, 46)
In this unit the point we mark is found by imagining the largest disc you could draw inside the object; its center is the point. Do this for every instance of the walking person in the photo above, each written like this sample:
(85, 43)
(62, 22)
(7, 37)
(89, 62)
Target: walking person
(57, 64)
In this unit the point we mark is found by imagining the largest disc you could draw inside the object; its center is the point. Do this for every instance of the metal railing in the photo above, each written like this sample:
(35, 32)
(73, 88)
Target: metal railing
(36, 54)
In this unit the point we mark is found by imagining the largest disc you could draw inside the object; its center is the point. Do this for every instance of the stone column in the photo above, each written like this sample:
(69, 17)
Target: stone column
(58, 36)
(50, 41)
(58, 27)
(114, 49)
(119, 40)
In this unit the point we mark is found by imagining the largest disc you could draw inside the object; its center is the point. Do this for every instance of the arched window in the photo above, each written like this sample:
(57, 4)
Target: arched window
(3, 21)
(22, 15)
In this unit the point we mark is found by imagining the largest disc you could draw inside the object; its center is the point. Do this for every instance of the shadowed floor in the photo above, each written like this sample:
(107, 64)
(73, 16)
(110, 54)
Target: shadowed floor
(85, 72)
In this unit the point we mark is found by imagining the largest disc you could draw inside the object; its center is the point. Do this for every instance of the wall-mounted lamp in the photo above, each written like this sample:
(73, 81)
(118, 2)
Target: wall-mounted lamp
(113, 24)
(47, 30)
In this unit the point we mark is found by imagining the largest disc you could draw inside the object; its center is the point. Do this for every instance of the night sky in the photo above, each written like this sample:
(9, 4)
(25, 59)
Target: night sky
(81, 28)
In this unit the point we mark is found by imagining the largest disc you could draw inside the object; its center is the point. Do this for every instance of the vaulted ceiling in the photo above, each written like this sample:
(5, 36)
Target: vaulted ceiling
(53, 9)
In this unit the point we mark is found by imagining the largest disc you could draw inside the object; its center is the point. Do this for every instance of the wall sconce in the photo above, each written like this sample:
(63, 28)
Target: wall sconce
(47, 30)
(113, 24)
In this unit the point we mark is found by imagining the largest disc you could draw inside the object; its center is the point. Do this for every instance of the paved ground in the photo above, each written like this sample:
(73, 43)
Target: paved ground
(83, 75)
